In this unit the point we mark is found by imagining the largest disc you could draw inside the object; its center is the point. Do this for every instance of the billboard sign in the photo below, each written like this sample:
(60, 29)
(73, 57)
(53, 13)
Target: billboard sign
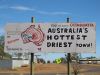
(50, 37)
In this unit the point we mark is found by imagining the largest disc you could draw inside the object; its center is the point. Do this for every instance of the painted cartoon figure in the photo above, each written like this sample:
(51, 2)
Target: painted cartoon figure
(34, 35)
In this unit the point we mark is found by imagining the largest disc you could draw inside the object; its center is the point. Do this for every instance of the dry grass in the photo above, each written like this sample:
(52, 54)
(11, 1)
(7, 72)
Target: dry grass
(85, 69)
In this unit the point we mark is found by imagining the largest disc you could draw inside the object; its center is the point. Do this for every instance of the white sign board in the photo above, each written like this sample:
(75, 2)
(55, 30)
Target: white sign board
(50, 37)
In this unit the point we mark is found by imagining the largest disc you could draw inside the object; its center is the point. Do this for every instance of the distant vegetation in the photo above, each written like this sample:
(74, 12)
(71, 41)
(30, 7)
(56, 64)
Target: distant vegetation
(3, 55)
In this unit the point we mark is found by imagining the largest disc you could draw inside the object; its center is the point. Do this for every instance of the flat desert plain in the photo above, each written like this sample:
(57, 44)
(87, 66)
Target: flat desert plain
(84, 69)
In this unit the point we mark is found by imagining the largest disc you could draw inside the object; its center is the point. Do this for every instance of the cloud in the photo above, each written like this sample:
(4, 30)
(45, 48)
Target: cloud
(53, 13)
(24, 8)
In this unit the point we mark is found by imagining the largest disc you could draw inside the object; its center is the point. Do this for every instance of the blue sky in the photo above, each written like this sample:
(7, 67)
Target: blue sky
(51, 11)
